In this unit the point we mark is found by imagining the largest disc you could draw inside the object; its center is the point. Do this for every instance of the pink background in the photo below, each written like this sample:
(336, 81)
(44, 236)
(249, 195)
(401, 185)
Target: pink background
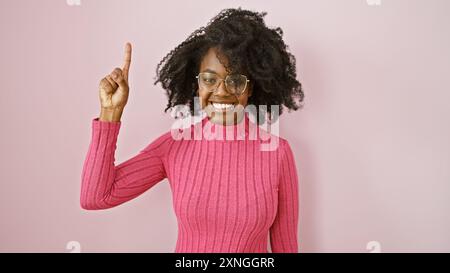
(372, 143)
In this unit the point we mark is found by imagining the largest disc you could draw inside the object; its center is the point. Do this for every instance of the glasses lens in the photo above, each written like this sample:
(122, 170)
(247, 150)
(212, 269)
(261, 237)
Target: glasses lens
(236, 83)
(208, 80)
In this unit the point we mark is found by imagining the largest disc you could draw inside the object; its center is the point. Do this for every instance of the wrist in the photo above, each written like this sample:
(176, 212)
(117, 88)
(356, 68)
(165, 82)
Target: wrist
(111, 115)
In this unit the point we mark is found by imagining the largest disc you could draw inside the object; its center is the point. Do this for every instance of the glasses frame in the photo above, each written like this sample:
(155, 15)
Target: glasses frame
(225, 81)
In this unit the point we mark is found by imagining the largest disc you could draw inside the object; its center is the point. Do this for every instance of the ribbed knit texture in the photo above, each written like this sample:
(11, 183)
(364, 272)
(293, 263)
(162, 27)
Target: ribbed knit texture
(228, 195)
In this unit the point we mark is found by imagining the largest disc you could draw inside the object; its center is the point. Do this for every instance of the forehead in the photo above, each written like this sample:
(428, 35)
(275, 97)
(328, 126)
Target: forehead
(211, 63)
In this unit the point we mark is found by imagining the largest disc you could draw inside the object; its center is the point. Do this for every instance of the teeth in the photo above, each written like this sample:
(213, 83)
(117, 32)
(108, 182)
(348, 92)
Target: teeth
(223, 106)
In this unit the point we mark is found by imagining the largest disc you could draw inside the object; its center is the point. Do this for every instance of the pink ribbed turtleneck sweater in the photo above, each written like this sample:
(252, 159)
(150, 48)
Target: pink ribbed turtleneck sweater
(228, 195)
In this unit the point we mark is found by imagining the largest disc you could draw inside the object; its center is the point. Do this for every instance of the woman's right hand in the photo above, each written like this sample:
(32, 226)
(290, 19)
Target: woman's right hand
(114, 89)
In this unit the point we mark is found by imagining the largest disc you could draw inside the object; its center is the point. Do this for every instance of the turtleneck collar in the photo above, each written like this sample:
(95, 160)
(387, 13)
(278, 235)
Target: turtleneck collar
(214, 131)
(202, 128)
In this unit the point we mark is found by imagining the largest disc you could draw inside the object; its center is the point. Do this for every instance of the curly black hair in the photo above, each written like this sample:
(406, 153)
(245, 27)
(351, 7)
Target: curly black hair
(250, 46)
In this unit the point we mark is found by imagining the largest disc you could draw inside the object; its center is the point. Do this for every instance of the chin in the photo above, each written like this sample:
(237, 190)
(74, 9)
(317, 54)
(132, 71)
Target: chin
(225, 119)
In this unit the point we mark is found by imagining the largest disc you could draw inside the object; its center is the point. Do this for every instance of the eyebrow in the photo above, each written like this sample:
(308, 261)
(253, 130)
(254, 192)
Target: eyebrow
(210, 70)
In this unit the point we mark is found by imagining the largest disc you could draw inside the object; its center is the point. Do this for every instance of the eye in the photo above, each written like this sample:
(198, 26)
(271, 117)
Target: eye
(234, 82)
(210, 80)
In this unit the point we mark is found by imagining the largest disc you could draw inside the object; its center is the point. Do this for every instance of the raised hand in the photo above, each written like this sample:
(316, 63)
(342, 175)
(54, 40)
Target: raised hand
(114, 90)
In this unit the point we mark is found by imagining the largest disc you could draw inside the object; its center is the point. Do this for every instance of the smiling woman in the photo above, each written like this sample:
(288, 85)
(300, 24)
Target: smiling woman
(228, 196)
(235, 42)
(220, 93)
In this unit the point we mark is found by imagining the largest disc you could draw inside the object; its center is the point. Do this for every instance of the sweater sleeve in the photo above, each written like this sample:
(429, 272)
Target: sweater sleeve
(283, 232)
(105, 185)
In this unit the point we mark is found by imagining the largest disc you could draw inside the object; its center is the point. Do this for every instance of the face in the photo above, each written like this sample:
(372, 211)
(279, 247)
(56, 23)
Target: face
(221, 106)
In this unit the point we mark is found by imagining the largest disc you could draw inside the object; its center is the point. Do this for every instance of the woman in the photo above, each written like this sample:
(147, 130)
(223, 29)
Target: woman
(228, 195)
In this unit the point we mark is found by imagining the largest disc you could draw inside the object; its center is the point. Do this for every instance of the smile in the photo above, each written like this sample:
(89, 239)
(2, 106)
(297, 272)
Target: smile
(224, 107)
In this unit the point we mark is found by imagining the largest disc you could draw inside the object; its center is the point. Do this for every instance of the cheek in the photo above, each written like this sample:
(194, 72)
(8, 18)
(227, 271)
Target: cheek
(243, 100)
(203, 97)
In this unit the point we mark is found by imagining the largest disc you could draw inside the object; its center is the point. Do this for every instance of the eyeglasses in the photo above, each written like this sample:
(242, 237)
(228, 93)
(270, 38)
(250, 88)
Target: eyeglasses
(235, 84)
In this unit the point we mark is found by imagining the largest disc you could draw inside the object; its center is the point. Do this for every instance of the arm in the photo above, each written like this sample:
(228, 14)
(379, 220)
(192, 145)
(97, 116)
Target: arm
(283, 232)
(104, 185)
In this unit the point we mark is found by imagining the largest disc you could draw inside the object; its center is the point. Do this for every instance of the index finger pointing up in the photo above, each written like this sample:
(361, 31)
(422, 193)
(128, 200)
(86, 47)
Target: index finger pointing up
(127, 61)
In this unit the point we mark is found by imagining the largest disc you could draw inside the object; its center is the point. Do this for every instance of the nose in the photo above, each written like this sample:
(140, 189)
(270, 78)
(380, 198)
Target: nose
(221, 91)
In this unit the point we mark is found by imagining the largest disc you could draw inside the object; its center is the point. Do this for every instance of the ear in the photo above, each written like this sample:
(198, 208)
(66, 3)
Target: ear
(250, 89)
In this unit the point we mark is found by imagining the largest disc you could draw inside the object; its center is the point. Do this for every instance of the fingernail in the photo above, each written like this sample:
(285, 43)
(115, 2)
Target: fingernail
(114, 75)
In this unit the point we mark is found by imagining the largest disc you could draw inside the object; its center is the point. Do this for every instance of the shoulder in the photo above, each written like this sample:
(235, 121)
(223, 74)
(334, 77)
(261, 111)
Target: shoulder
(284, 143)
(160, 144)
(286, 153)
(283, 149)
